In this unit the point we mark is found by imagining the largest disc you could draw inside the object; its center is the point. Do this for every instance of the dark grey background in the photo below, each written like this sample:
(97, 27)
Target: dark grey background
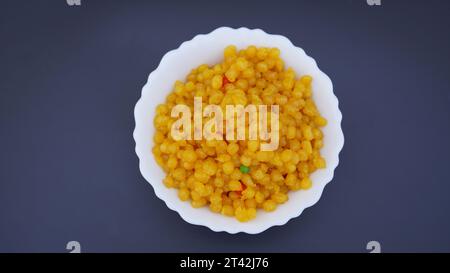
(70, 76)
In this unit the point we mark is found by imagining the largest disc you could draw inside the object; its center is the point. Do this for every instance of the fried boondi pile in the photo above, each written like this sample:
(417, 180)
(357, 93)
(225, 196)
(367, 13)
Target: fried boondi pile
(235, 178)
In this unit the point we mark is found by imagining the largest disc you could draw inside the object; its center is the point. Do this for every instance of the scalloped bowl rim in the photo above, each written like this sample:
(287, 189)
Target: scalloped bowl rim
(208, 48)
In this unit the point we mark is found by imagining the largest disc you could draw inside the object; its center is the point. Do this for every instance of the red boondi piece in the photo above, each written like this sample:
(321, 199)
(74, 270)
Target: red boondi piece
(224, 80)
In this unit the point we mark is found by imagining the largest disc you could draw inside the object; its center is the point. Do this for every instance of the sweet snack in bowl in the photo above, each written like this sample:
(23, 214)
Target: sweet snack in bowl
(236, 177)
(238, 130)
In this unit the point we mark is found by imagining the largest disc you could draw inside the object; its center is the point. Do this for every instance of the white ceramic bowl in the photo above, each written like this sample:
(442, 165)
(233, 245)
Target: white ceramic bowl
(175, 65)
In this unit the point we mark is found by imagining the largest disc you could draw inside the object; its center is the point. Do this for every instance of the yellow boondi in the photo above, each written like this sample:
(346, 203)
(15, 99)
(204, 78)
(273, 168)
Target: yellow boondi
(235, 178)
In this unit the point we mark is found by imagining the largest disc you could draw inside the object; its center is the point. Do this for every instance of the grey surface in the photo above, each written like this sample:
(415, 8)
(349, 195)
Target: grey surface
(70, 76)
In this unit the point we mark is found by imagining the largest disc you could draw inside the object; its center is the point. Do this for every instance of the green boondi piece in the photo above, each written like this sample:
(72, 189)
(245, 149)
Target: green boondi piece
(244, 169)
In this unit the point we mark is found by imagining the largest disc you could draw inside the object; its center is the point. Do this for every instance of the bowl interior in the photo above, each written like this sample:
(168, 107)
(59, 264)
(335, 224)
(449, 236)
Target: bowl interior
(208, 49)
